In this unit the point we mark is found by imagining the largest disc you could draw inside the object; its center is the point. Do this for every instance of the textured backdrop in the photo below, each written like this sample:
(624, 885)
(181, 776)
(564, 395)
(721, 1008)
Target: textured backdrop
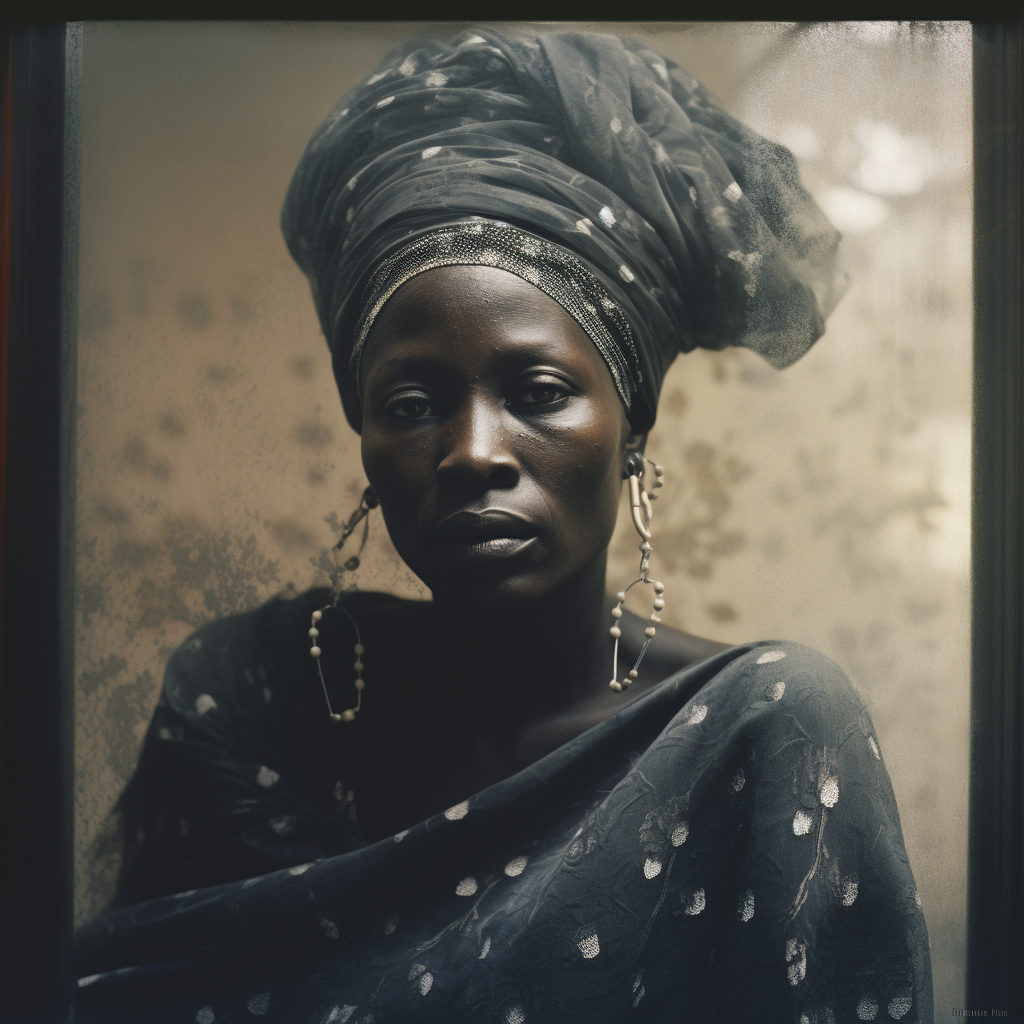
(827, 504)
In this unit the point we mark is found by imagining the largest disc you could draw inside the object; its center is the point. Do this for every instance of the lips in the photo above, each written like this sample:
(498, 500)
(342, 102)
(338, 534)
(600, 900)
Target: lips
(485, 536)
(472, 527)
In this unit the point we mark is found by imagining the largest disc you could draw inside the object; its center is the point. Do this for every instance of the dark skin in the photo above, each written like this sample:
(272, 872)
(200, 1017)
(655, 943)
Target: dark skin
(496, 443)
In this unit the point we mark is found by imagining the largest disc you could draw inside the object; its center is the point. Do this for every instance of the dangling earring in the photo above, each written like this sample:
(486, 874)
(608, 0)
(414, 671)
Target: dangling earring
(640, 508)
(367, 502)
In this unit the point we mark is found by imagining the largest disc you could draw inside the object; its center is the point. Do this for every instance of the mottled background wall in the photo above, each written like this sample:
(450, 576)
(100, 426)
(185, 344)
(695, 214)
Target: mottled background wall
(828, 504)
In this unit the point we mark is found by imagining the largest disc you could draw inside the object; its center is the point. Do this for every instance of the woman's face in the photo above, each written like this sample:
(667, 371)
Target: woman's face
(493, 436)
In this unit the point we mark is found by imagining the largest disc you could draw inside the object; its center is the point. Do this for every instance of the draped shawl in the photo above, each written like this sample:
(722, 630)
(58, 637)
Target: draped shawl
(696, 227)
(725, 848)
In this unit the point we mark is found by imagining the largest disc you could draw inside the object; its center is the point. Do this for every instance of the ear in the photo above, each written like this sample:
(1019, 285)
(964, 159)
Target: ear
(634, 443)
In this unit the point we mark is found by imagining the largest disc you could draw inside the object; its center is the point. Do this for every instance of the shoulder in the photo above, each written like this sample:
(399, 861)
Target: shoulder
(783, 685)
(275, 622)
(774, 669)
(256, 647)
(801, 672)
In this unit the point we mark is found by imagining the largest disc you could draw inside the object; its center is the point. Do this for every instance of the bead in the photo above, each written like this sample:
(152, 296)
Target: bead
(314, 651)
(658, 470)
(317, 616)
(314, 632)
(649, 631)
(633, 673)
(348, 716)
(358, 666)
(335, 717)
(657, 483)
(359, 648)
(625, 683)
(655, 617)
(360, 684)
(615, 632)
(652, 496)
(659, 588)
(659, 603)
(646, 547)
(620, 596)
(352, 563)
(616, 613)
(616, 686)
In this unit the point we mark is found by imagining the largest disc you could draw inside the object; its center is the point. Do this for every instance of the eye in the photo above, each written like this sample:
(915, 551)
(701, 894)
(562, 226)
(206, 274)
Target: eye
(544, 393)
(409, 406)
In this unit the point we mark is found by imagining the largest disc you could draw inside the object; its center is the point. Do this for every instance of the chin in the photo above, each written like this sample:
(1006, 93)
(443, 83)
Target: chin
(497, 585)
(491, 591)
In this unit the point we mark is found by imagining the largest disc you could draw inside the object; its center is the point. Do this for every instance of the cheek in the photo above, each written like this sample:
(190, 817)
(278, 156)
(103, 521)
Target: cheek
(396, 478)
(600, 506)
(391, 465)
(397, 481)
(585, 474)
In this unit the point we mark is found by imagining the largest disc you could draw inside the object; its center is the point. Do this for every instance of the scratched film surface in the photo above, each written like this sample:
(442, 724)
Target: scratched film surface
(827, 504)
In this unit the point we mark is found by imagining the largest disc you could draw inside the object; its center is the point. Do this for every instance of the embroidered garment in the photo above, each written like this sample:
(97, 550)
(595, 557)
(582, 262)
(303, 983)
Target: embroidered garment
(726, 848)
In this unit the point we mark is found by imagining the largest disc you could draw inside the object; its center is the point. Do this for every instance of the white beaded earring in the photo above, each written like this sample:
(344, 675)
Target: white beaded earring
(348, 714)
(640, 508)
(367, 502)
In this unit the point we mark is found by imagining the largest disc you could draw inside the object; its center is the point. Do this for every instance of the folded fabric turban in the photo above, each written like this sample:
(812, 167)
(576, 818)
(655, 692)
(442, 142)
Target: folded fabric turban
(587, 164)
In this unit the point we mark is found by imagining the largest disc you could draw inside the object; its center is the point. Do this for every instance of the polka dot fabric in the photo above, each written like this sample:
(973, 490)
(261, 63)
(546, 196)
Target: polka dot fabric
(711, 852)
(697, 227)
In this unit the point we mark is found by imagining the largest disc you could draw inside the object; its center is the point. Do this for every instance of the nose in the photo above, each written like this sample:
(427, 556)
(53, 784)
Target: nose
(477, 455)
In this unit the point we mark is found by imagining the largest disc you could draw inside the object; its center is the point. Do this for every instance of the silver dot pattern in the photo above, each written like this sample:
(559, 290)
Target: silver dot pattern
(544, 133)
(730, 846)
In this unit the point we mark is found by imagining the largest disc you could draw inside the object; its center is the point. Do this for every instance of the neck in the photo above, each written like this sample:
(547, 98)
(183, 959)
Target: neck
(511, 666)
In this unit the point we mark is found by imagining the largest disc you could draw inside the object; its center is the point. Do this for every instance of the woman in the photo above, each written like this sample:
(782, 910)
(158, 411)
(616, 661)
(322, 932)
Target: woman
(536, 806)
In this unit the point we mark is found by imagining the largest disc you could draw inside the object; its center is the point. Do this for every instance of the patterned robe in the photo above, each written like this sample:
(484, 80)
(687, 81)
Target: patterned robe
(726, 848)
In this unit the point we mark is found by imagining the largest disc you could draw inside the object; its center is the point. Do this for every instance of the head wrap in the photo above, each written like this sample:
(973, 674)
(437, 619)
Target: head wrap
(587, 164)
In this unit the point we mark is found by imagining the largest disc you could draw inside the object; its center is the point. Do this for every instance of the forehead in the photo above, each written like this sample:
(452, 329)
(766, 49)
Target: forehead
(477, 312)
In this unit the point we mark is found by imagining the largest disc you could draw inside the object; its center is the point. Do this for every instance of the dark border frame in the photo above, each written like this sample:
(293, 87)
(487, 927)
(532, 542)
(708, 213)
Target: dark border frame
(995, 957)
(40, 69)
(41, 134)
